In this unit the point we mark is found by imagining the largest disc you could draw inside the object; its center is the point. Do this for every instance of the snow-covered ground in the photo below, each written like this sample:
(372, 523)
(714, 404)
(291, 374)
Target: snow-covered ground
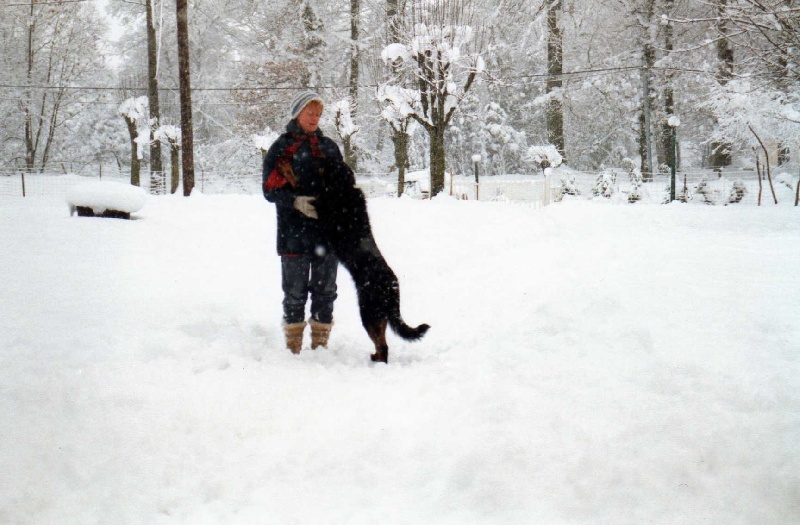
(587, 363)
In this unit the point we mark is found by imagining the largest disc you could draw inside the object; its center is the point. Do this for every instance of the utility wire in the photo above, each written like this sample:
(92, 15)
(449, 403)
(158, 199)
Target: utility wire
(34, 4)
(570, 74)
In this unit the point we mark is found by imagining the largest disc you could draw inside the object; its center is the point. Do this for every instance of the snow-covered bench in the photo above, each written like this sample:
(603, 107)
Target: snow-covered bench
(105, 199)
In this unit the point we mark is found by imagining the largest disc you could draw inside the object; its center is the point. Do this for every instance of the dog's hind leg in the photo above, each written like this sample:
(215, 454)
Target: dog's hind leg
(377, 332)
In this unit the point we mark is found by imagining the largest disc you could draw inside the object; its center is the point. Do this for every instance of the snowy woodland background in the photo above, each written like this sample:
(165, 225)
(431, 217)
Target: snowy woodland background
(587, 362)
(410, 84)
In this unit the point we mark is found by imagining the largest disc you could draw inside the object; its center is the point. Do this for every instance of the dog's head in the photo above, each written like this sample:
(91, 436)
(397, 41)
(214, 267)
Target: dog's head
(337, 175)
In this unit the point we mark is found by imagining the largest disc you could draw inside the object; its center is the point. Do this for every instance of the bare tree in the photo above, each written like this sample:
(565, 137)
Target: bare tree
(399, 122)
(667, 152)
(350, 154)
(770, 30)
(187, 136)
(174, 152)
(555, 68)
(60, 49)
(769, 171)
(134, 111)
(135, 162)
(721, 151)
(765, 35)
(442, 51)
(156, 167)
(645, 12)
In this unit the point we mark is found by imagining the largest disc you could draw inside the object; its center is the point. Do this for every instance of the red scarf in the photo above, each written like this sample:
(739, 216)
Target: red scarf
(283, 173)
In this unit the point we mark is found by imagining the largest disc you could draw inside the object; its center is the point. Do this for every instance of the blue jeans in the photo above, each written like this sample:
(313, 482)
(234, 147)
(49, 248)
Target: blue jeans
(302, 274)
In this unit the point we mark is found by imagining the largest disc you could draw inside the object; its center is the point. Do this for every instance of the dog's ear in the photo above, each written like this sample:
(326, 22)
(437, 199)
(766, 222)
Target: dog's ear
(327, 168)
(332, 165)
(348, 175)
(339, 173)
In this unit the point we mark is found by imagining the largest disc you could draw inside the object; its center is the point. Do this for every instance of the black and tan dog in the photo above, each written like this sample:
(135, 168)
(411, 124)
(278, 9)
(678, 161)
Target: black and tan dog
(343, 218)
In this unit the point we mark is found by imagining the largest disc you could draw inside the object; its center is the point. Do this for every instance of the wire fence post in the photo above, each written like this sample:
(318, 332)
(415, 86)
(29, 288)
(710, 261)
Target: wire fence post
(673, 122)
(673, 167)
(476, 160)
(22, 175)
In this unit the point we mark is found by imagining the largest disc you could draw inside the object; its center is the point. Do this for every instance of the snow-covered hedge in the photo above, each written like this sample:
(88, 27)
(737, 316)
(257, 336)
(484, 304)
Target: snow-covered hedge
(720, 192)
(105, 199)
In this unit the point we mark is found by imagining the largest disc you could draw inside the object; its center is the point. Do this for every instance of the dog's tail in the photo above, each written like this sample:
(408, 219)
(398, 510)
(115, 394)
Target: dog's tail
(406, 332)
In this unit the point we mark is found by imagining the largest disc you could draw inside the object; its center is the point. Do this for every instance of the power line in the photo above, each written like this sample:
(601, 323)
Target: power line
(604, 70)
(34, 3)
(144, 88)
(567, 75)
(203, 103)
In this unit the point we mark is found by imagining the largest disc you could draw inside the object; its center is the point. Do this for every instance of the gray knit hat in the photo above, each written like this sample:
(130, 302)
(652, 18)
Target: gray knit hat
(301, 100)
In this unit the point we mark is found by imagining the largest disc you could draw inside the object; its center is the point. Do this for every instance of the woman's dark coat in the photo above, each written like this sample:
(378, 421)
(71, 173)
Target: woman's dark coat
(297, 234)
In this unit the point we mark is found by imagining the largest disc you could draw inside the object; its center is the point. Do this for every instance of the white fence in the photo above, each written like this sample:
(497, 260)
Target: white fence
(54, 185)
(535, 189)
(39, 184)
(532, 189)
(529, 189)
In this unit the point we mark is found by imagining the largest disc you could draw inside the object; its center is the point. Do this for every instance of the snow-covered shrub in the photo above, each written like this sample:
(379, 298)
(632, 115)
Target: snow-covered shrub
(568, 186)
(737, 192)
(637, 190)
(707, 191)
(787, 179)
(720, 192)
(606, 184)
(503, 146)
(546, 156)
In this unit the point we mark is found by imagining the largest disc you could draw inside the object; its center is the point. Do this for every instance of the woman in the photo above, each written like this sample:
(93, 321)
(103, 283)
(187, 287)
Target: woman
(292, 179)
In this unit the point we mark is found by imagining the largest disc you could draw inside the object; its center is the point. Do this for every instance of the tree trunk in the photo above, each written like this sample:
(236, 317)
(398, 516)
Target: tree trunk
(555, 67)
(645, 115)
(30, 148)
(347, 146)
(400, 139)
(437, 152)
(721, 151)
(668, 153)
(399, 135)
(51, 132)
(355, 64)
(760, 180)
(645, 125)
(135, 162)
(797, 193)
(393, 18)
(174, 151)
(769, 172)
(434, 81)
(156, 166)
(187, 138)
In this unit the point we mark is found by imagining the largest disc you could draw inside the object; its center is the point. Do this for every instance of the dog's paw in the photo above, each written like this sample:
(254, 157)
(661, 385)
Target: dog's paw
(380, 357)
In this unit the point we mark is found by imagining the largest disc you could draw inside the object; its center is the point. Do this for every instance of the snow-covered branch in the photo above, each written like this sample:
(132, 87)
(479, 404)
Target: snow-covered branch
(771, 113)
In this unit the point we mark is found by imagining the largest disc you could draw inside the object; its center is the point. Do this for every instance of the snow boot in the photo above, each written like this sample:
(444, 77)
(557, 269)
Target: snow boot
(294, 336)
(320, 332)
